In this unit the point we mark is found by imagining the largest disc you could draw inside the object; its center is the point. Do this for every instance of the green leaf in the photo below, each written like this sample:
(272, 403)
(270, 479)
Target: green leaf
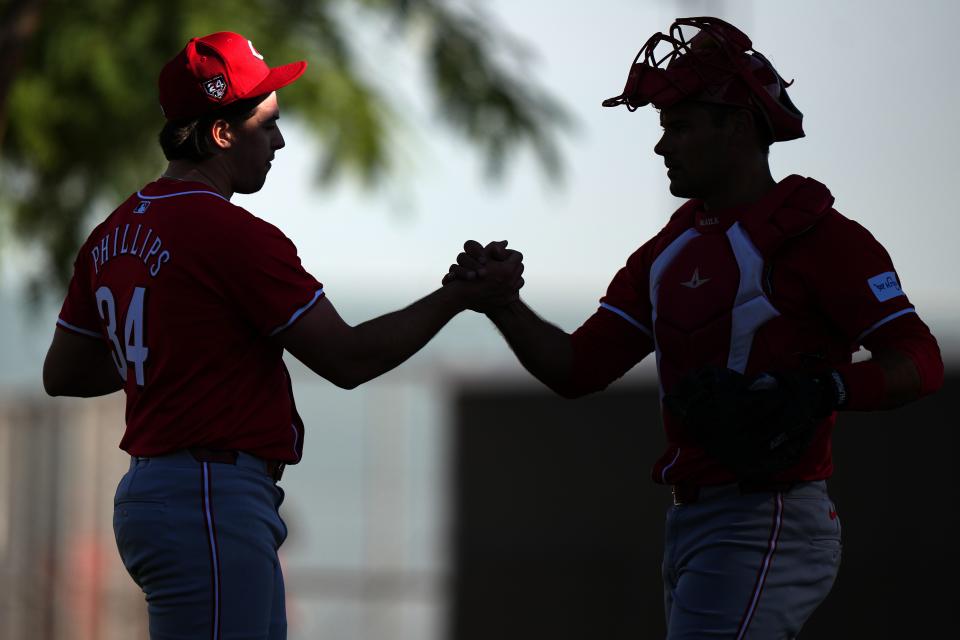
(82, 115)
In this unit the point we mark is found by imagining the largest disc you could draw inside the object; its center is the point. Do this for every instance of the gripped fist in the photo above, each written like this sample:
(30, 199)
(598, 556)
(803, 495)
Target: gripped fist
(471, 263)
(486, 277)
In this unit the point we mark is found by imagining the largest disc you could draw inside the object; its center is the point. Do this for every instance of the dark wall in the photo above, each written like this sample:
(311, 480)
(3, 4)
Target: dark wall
(558, 528)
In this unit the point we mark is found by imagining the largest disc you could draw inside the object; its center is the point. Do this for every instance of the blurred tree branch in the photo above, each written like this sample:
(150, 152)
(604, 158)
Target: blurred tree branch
(19, 23)
(78, 96)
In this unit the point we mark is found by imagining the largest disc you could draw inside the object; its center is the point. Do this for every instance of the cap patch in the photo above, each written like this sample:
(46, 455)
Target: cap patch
(215, 87)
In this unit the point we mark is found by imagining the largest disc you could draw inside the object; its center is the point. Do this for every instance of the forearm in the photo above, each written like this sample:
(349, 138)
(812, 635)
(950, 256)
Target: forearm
(97, 376)
(381, 344)
(94, 386)
(889, 379)
(543, 349)
(901, 378)
(905, 365)
(885, 381)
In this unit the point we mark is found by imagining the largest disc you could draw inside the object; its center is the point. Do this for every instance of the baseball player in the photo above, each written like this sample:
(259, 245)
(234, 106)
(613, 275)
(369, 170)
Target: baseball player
(753, 298)
(187, 302)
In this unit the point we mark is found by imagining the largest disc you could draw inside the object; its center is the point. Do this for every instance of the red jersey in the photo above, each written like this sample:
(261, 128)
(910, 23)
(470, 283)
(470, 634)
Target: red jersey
(704, 292)
(187, 290)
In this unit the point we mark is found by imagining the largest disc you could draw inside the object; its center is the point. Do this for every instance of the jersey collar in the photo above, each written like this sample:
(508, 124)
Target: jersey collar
(169, 188)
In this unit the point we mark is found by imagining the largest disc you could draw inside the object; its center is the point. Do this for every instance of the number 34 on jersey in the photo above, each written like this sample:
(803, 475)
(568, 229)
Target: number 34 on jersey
(132, 350)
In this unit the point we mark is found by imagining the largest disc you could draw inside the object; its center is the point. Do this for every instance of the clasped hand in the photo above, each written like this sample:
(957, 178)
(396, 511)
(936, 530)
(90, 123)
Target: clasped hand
(486, 277)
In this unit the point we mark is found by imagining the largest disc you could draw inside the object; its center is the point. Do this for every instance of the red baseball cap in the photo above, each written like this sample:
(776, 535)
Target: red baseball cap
(215, 70)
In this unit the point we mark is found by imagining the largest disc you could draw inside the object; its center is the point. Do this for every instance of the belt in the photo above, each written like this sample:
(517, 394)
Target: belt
(690, 493)
(273, 468)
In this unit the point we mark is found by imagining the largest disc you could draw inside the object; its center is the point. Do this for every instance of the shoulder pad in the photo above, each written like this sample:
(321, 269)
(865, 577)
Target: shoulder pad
(801, 208)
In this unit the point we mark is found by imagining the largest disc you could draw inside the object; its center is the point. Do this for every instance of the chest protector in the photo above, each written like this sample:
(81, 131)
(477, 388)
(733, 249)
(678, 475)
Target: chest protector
(707, 287)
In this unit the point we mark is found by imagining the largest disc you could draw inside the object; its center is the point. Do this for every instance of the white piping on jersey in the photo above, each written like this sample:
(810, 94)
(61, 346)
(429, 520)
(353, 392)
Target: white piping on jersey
(626, 316)
(663, 474)
(86, 332)
(296, 439)
(880, 323)
(751, 309)
(180, 193)
(299, 312)
(656, 272)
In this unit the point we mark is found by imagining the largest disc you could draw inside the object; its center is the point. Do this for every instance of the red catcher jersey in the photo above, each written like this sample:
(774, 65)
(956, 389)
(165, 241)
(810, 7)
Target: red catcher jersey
(701, 293)
(186, 290)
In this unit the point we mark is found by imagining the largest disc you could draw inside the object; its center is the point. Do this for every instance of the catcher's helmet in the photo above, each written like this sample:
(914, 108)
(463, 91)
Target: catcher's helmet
(717, 65)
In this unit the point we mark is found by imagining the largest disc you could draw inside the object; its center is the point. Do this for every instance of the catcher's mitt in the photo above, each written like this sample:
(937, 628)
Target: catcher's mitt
(754, 426)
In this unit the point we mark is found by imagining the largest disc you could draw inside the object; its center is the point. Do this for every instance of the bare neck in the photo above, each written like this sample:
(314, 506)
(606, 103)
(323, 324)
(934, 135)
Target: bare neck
(209, 173)
(740, 187)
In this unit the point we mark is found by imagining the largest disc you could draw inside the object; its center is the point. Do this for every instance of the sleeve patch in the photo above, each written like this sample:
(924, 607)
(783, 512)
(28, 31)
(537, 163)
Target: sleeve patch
(885, 286)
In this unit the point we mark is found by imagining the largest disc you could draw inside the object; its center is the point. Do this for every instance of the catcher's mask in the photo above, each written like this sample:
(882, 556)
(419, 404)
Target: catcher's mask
(717, 65)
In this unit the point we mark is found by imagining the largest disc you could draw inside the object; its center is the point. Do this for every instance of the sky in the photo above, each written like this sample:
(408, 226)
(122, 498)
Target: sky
(876, 82)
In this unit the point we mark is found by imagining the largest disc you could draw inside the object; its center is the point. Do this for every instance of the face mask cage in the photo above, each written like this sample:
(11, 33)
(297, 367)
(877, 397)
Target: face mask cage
(715, 51)
(714, 61)
(711, 55)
